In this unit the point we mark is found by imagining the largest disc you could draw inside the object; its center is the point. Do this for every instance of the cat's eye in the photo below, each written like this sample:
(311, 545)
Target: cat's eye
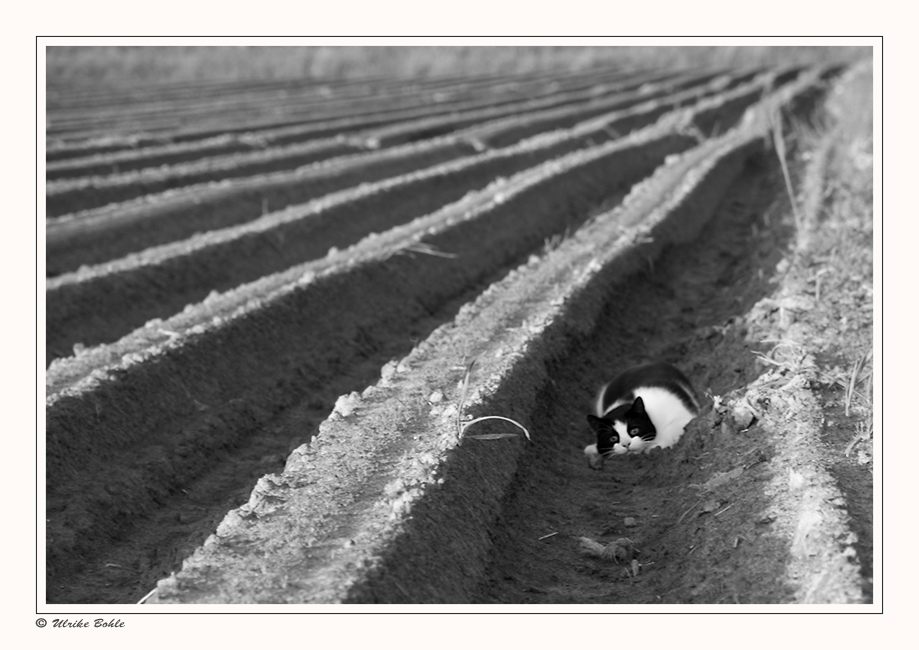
(633, 432)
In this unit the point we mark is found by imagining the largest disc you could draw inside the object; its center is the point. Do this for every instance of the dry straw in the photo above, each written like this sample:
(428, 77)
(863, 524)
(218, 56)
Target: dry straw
(462, 426)
(778, 139)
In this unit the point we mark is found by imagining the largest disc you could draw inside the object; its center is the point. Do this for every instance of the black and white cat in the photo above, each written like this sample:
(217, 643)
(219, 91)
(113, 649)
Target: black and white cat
(644, 407)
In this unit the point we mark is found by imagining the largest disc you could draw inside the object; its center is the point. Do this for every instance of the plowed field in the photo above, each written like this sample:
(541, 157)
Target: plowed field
(273, 307)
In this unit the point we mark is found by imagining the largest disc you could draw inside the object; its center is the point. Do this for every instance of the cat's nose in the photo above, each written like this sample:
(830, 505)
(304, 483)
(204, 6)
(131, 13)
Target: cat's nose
(637, 444)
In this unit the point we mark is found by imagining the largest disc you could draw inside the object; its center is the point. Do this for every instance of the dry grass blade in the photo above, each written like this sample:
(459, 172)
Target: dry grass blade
(690, 509)
(427, 249)
(853, 379)
(462, 399)
(147, 597)
(418, 247)
(495, 436)
(462, 426)
(863, 432)
(766, 360)
(778, 139)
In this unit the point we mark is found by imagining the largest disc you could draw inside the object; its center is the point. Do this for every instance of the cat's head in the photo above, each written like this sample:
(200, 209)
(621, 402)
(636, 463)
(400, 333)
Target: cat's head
(615, 431)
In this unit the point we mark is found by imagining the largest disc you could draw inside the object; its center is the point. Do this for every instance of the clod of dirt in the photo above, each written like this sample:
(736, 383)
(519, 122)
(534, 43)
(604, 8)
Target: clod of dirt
(621, 550)
(346, 404)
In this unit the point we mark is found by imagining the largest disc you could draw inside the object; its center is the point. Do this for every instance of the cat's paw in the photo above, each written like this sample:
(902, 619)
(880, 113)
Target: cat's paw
(594, 459)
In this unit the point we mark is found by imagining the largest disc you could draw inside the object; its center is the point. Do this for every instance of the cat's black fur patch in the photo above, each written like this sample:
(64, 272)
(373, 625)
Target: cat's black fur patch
(606, 434)
(637, 423)
(650, 375)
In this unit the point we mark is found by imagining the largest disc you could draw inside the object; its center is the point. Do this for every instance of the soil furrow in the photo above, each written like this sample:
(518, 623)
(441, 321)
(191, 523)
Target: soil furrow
(106, 234)
(227, 144)
(503, 133)
(206, 154)
(152, 447)
(73, 195)
(358, 542)
(59, 150)
(669, 312)
(156, 97)
(65, 98)
(443, 536)
(89, 309)
(270, 405)
(322, 104)
(306, 125)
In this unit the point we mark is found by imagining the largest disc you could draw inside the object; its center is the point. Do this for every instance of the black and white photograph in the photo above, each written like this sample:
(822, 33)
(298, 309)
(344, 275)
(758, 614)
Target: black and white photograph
(433, 326)
(519, 325)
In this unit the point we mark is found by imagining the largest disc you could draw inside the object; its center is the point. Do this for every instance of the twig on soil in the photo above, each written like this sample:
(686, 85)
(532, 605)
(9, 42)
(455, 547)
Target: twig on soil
(612, 132)
(419, 247)
(830, 380)
(863, 433)
(546, 536)
(427, 249)
(779, 140)
(723, 510)
(690, 509)
(853, 379)
(145, 598)
(495, 436)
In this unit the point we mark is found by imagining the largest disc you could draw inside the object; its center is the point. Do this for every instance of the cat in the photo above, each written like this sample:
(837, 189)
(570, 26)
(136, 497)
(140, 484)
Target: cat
(644, 407)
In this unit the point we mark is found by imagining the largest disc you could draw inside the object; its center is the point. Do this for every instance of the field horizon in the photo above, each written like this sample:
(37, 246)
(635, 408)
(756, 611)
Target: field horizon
(130, 65)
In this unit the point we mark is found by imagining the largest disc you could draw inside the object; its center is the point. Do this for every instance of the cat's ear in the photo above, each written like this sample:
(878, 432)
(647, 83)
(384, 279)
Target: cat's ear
(599, 425)
(638, 406)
